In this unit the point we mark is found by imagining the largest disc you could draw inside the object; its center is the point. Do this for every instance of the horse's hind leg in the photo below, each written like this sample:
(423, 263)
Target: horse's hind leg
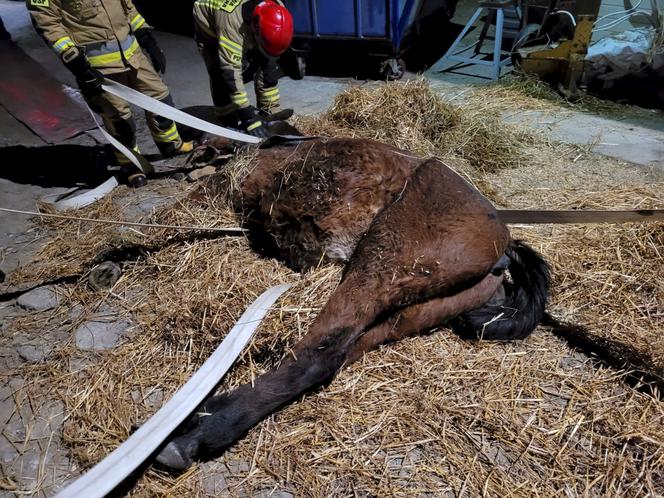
(422, 317)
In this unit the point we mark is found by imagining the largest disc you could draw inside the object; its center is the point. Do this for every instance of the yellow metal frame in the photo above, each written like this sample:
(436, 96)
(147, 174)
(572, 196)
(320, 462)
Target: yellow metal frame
(565, 60)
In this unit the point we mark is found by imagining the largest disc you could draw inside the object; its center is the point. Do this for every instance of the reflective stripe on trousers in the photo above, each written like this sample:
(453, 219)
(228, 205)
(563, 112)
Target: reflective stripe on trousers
(269, 96)
(170, 134)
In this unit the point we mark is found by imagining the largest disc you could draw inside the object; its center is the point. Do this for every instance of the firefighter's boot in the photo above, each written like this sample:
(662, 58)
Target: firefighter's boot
(165, 133)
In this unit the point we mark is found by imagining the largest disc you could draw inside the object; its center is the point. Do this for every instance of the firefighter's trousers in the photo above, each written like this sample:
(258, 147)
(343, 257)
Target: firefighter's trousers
(117, 116)
(259, 69)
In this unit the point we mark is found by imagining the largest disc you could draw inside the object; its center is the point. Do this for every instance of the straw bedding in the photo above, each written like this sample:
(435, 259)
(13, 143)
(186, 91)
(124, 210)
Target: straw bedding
(430, 416)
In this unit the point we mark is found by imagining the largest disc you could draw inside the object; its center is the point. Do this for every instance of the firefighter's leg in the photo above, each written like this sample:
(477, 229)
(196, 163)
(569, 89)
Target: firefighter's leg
(118, 121)
(123, 129)
(164, 131)
(225, 107)
(266, 85)
(117, 118)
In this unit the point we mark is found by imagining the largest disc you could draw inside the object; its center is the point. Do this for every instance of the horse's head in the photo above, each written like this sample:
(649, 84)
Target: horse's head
(275, 123)
(282, 127)
(217, 150)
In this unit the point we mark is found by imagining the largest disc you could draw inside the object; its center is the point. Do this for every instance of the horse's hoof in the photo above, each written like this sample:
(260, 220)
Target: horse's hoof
(173, 458)
(104, 275)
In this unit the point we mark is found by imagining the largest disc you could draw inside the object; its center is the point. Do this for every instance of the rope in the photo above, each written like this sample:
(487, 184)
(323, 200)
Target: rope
(229, 230)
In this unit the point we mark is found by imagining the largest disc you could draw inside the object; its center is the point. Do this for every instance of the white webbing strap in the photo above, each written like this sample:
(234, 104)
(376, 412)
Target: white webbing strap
(137, 159)
(166, 111)
(60, 202)
(63, 201)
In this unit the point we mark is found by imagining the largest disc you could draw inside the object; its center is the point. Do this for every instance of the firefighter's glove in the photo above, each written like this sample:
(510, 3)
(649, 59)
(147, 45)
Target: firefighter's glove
(89, 79)
(148, 42)
(251, 122)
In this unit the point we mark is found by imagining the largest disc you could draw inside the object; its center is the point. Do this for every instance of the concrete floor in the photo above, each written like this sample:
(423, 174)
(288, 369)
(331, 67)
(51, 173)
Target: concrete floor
(641, 143)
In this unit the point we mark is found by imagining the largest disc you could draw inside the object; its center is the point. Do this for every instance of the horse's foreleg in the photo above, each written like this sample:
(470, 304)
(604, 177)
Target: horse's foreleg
(224, 419)
(316, 358)
(419, 318)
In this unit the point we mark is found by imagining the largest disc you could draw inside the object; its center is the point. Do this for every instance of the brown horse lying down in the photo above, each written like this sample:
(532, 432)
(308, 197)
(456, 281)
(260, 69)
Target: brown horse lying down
(421, 248)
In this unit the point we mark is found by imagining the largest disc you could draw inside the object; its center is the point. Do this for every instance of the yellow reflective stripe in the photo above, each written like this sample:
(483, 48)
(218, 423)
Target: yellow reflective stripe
(169, 135)
(269, 96)
(63, 44)
(209, 3)
(132, 48)
(230, 45)
(110, 58)
(137, 22)
(239, 98)
(255, 125)
(225, 5)
(234, 52)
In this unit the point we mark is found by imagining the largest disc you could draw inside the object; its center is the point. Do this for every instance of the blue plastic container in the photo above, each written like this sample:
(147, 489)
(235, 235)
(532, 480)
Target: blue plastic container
(380, 22)
(359, 19)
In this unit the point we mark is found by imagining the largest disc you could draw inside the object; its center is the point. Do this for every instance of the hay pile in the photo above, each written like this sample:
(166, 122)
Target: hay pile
(72, 247)
(432, 415)
(410, 116)
(518, 92)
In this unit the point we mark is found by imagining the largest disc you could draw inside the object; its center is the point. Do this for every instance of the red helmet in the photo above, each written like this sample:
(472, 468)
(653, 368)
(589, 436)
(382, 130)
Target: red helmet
(273, 25)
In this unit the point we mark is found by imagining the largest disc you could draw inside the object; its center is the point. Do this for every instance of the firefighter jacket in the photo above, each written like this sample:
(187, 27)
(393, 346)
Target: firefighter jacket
(103, 29)
(227, 25)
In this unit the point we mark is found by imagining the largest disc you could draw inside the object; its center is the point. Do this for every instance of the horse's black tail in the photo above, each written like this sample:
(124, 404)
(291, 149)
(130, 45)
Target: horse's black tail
(514, 311)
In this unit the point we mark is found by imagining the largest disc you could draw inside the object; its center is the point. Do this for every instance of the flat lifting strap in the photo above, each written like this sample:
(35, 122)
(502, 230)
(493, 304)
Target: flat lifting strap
(127, 457)
(572, 216)
(166, 111)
